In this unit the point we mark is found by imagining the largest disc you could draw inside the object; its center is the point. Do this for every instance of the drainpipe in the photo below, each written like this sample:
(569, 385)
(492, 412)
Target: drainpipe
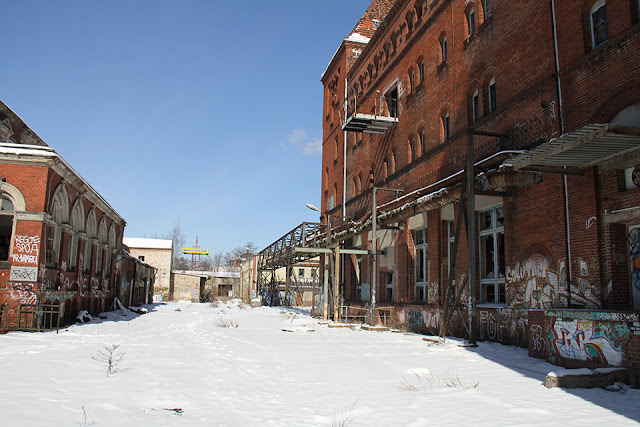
(564, 177)
(344, 160)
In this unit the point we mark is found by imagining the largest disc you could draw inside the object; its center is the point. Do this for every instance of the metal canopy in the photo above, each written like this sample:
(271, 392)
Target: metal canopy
(589, 146)
(369, 123)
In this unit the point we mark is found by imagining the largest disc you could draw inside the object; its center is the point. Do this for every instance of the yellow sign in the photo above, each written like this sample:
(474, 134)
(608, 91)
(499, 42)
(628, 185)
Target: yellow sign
(198, 251)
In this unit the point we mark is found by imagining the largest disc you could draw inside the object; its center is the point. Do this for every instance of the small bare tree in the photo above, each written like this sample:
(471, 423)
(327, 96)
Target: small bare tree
(110, 358)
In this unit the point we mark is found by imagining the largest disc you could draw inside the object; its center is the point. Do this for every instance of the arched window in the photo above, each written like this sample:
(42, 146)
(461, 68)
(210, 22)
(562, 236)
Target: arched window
(6, 226)
(599, 28)
(474, 104)
(412, 148)
(471, 21)
(412, 79)
(59, 212)
(487, 9)
(92, 235)
(421, 69)
(111, 243)
(77, 227)
(445, 126)
(102, 241)
(443, 46)
(423, 147)
(491, 95)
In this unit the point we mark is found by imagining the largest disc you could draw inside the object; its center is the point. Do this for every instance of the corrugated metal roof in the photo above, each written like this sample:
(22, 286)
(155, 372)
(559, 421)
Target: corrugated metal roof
(586, 147)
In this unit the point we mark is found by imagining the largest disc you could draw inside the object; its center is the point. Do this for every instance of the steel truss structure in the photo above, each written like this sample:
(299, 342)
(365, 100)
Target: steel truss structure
(283, 254)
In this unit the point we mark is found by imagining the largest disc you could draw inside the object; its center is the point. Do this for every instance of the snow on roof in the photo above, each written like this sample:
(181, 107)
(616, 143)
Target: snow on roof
(138, 242)
(21, 149)
(357, 37)
(353, 37)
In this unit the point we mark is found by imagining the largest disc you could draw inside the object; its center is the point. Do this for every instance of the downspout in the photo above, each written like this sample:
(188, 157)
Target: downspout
(344, 158)
(564, 177)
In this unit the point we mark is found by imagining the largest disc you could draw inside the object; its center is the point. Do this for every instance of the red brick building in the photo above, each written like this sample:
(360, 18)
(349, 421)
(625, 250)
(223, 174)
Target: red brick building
(538, 103)
(60, 241)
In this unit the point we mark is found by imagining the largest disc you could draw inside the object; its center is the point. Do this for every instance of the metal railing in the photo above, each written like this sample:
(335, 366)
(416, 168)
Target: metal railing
(40, 317)
(353, 314)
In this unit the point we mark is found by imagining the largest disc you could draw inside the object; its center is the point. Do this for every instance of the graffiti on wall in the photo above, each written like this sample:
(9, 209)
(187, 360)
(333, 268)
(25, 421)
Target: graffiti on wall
(504, 325)
(536, 283)
(420, 319)
(536, 343)
(26, 249)
(20, 273)
(23, 293)
(433, 292)
(595, 315)
(585, 340)
(634, 247)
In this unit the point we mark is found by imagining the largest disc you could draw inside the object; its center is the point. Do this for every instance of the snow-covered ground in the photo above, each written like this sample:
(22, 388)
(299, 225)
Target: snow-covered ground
(183, 367)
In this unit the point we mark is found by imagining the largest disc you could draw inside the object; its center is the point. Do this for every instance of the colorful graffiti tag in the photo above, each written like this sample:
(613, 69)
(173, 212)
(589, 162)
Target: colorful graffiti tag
(545, 287)
(584, 340)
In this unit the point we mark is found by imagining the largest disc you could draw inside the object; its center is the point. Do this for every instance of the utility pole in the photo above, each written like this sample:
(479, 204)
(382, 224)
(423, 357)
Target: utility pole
(471, 239)
(374, 247)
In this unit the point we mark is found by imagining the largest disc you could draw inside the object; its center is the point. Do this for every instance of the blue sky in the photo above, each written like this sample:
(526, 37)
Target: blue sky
(206, 111)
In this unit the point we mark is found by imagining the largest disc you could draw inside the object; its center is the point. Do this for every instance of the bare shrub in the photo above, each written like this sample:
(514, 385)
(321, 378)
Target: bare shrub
(85, 418)
(110, 358)
(345, 417)
(225, 322)
(430, 381)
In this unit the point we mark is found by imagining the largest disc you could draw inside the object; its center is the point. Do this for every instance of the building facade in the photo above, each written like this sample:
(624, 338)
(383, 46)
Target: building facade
(157, 253)
(206, 286)
(60, 241)
(501, 142)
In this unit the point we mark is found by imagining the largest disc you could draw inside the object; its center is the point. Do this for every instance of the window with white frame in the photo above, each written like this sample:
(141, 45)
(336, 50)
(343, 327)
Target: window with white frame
(599, 30)
(388, 295)
(421, 264)
(491, 95)
(491, 255)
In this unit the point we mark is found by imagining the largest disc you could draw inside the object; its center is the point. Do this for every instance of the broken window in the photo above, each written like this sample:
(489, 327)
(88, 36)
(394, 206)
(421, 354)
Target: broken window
(599, 30)
(392, 101)
(6, 227)
(388, 286)
(225, 290)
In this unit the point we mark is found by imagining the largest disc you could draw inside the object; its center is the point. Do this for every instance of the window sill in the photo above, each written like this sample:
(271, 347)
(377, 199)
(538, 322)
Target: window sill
(470, 38)
(491, 305)
(441, 67)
